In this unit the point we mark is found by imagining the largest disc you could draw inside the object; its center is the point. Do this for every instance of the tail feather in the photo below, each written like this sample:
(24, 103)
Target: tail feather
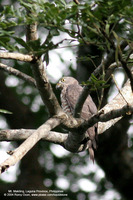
(92, 145)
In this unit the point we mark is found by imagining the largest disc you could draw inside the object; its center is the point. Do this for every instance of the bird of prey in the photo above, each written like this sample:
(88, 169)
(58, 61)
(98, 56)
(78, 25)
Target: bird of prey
(70, 91)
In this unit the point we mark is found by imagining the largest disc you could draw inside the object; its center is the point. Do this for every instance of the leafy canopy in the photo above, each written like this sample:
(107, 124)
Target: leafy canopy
(99, 20)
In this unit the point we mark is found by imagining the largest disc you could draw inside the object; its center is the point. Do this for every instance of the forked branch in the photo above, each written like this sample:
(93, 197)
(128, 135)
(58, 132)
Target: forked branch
(18, 154)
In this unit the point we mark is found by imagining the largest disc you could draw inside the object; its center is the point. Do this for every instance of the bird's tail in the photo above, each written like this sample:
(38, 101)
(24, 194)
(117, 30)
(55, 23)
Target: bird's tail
(92, 141)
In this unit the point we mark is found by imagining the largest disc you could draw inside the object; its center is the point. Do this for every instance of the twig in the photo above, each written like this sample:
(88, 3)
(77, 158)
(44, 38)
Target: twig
(16, 56)
(127, 70)
(129, 55)
(118, 88)
(17, 73)
(123, 61)
(76, 1)
(114, 65)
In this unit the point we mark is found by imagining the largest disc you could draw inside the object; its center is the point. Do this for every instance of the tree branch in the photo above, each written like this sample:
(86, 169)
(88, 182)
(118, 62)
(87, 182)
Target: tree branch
(45, 88)
(16, 56)
(41, 132)
(17, 73)
(110, 117)
(114, 110)
(127, 70)
(39, 72)
(23, 134)
(75, 138)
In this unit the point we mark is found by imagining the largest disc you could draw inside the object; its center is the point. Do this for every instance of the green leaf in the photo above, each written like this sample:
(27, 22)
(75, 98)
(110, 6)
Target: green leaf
(34, 45)
(107, 27)
(117, 46)
(93, 30)
(22, 43)
(46, 58)
(61, 2)
(5, 111)
(27, 4)
(94, 77)
(54, 32)
(46, 42)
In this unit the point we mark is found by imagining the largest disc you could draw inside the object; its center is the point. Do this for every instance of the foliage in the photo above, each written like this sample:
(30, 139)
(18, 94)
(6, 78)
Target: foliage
(99, 20)
(5, 111)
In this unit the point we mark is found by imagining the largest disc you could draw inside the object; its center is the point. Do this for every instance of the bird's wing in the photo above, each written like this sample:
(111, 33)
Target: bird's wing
(89, 108)
(72, 93)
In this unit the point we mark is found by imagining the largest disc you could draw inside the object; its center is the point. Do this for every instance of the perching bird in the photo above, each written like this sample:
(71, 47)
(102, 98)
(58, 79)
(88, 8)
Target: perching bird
(70, 91)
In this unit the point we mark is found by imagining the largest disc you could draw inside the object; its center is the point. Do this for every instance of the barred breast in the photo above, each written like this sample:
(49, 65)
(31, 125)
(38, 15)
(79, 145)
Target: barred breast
(64, 104)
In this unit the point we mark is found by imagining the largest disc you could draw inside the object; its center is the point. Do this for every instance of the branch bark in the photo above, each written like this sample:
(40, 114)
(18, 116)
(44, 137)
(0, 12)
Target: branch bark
(39, 72)
(16, 56)
(117, 103)
(18, 153)
(23, 134)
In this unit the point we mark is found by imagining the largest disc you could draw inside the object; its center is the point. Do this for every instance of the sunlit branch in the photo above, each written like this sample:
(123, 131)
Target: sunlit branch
(19, 153)
(16, 56)
(23, 134)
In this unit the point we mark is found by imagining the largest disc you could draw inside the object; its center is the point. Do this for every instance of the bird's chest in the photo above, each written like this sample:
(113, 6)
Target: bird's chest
(65, 104)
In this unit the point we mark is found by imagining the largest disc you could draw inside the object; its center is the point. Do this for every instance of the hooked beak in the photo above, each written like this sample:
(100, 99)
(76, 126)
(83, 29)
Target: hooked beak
(58, 86)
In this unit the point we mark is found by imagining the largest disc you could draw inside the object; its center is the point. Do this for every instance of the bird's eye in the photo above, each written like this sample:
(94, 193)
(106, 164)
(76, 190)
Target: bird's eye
(62, 80)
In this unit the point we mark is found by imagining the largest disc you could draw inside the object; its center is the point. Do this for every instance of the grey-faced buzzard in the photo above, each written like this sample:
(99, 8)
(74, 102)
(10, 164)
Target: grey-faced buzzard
(70, 91)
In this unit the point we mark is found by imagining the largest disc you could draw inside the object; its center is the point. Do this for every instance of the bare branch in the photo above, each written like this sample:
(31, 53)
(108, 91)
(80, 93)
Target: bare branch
(43, 84)
(75, 138)
(23, 134)
(113, 115)
(16, 56)
(45, 88)
(18, 154)
(17, 73)
(117, 103)
(127, 70)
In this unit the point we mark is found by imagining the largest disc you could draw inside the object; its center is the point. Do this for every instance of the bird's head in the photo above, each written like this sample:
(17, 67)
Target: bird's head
(65, 81)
